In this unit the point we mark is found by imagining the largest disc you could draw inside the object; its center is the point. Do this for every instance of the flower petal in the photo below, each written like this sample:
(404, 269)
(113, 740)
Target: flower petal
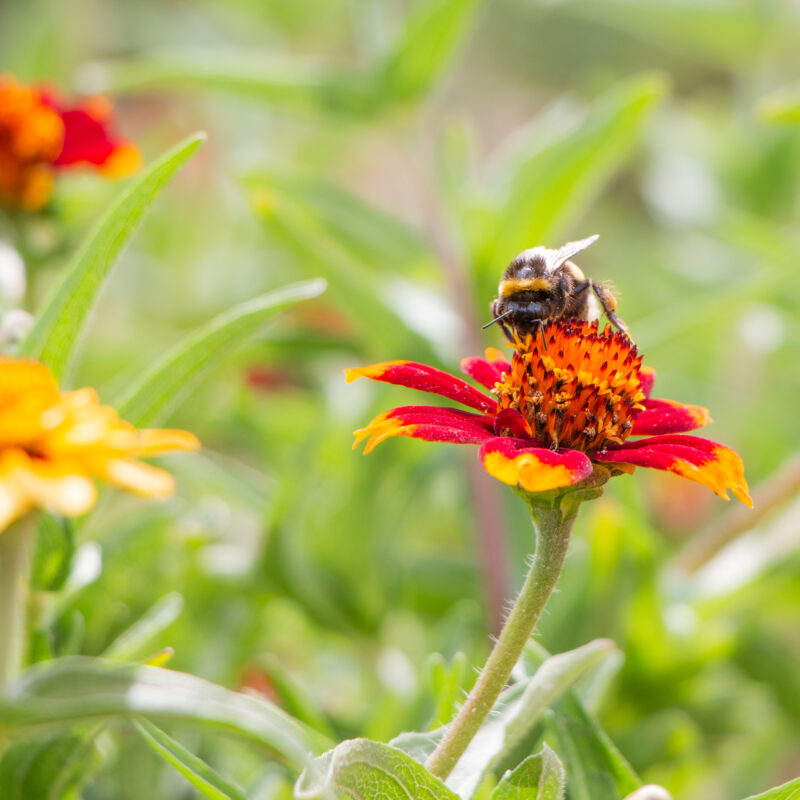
(138, 477)
(647, 377)
(667, 416)
(88, 140)
(431, 423)
(711, 464)
(486, 371)
(426, 379)
(522, 463)
(27, 482)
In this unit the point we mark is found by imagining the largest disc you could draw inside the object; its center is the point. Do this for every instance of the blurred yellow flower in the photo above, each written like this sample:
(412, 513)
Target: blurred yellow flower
(53, 444)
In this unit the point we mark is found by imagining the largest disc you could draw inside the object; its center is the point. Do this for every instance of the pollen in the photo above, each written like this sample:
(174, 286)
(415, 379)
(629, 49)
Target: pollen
(583, 390)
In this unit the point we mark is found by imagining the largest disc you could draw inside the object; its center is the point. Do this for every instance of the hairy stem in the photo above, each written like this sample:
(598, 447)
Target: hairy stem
(553, 527)
(15, 547)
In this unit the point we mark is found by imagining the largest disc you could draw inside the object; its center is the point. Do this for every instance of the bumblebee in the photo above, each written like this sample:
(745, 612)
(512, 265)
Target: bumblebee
(541, 285)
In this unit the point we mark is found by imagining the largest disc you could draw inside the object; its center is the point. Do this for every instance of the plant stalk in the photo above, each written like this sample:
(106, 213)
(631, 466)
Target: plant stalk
(553, 528)
(15, 550)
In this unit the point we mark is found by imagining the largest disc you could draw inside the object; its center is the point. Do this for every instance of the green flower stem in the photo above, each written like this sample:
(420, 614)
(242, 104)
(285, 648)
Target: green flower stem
(15, 549)
(553, 526)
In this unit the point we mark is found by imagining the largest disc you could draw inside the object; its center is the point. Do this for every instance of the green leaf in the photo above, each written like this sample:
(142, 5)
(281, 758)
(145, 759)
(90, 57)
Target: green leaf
(129, 645)
(360, 769)
(173, 378)
(550, 681)
(284, 82)
(788, 791)
(553, 182)
(595, 768)
(58, 326)
(70, 690)
(539, 777)
(431, 34)
(206, 780)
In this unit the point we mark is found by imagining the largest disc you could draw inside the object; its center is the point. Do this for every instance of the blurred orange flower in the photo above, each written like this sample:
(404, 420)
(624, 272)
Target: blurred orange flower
(53, 444)
(39, 134)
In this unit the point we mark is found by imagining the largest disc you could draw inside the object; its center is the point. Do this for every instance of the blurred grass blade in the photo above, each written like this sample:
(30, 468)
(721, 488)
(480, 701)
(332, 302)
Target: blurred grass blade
(373, 235)
(354, 284)
(206, 780)
(130, 644)
(553, 183)
(293, 698)
(728, 34)
(49, 768)
(70, 690)
(554, 677)
(59, 324)
(165, 385)
(309, 85)
(360, 768)
(432, 32)
(539, 777)
(789, 791)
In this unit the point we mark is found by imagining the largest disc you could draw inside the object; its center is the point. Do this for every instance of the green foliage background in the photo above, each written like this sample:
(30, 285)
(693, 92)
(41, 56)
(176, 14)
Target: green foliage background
(404, 152)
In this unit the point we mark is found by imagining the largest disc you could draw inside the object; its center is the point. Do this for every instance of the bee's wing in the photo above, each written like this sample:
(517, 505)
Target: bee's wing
(555, 258)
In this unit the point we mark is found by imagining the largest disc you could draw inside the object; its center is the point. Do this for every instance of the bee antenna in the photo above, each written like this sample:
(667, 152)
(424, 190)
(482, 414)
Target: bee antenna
(496, 319)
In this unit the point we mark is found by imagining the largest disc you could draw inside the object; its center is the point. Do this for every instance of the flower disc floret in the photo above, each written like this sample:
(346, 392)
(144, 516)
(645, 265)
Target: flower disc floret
(575, 386)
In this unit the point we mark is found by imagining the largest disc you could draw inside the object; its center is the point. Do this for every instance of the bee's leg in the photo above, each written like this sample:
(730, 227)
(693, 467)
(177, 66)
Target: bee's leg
(506, 330)
(496, 316)
(609, 304)
(541, 333)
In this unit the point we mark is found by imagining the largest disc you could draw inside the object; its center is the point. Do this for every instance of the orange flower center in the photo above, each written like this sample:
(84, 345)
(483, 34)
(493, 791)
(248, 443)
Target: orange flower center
(582, 391)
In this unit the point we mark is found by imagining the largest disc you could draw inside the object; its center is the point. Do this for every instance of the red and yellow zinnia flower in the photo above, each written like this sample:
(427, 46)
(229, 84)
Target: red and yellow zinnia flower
(555, 411)
(40, 134)
(53, 444)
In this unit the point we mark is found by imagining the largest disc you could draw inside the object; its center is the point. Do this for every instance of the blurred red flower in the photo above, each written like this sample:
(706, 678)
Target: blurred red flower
(40, 134)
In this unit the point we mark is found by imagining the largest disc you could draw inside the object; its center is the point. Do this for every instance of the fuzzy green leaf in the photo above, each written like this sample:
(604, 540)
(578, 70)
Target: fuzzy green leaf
(539, 777)
(360, 769)
(58, 327)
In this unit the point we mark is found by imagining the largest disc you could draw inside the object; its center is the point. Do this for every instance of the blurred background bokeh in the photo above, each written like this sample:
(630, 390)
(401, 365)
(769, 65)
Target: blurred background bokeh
(405, 151)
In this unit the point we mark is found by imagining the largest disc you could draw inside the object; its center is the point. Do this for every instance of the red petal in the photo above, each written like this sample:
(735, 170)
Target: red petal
(510, 421)
(431, 423)
(88, 139)
(711, 464)
(666, 416)
(647, 377)
(522, 463)
(426, 379)
(486, 371)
